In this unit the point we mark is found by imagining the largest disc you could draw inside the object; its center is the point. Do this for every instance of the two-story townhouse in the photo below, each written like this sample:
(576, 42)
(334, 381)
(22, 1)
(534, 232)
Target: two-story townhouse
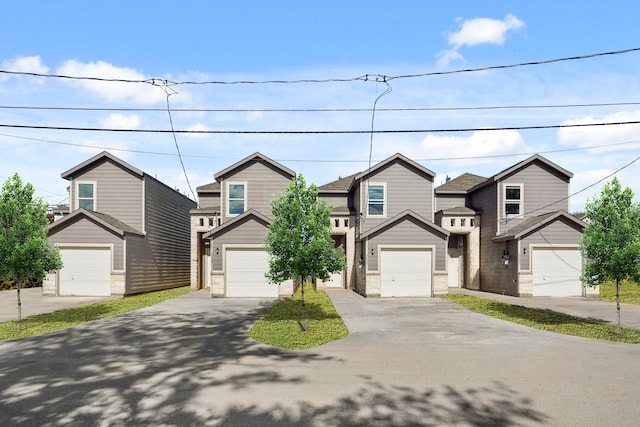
(230, 226)
(528, 242)
(398, 250)
(126, 232)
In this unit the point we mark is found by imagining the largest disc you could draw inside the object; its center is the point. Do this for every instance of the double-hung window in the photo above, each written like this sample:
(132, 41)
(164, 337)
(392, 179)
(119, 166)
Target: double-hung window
(236, 198)
(376, 200)
(86, 195)
(513, 200)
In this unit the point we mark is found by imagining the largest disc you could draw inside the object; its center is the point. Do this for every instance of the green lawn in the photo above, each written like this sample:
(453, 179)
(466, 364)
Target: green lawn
(61, 319)
(547, 320)
(280, 325)
(629, 292)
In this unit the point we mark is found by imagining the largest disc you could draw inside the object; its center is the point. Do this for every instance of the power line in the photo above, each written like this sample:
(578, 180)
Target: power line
(364, 78)
(320, 132)
(323, 110)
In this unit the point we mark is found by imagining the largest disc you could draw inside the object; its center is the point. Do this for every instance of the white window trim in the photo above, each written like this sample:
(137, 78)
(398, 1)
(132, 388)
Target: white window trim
(385, 201)
(246, 194)
(504, 200)
(76, 197)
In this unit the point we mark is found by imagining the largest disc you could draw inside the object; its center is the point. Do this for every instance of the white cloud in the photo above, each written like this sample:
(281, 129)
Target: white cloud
(478, 144)
(24, 64)
(478, 31)
(255, 116)
(139, 93)
(602, 135)
(198, 127)
(121, 121)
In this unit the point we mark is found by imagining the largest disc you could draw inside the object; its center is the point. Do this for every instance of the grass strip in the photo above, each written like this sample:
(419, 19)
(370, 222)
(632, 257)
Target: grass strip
(547, 320)
(629, 292)
(61, 319)
(280, 325)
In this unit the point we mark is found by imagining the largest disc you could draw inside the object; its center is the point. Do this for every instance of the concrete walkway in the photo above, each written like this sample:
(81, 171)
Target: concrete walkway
(588, 308)
(33, 302)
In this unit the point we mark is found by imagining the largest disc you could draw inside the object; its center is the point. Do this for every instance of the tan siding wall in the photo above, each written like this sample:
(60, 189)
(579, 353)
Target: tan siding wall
(407, 232)
(336, 201)
(249, 232)
(264, 183)
(406, 189)
(119, 192)
(558, 233)
(209, 200)
(84, 231)
(448, 201)
(161, 260)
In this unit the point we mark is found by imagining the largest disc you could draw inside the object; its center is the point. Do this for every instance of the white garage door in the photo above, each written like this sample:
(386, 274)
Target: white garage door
(245, 269)
(85, 272)
(556, 272)
(405, 273)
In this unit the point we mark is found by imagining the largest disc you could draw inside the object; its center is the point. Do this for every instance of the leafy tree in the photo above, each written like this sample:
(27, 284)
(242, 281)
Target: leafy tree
(611, 241)
(299, 238)
(25, 252)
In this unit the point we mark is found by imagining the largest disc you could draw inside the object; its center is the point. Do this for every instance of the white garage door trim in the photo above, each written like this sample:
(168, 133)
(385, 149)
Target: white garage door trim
(406, 271)
(86, 271)
(244, 273)
(556, 271)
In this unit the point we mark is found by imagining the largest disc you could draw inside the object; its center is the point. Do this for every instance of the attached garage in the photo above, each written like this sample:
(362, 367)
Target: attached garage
(245, 270)
(556, 272)
(406, 273)
(85, 272)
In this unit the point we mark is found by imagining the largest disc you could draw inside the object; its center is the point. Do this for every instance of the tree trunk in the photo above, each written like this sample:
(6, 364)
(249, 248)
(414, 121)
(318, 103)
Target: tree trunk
(618, 303)
(18, 282)
(303, 324)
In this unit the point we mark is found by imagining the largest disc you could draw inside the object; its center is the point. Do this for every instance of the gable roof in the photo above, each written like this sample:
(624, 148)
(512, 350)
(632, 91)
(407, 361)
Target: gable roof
(338, 186)
(251, 158)
(461, 184)
(401, 216)
(212, 187)
(536, 158)
(248, 214)
(107, 221)
(98, 158)
(532, 224)
(386, 162)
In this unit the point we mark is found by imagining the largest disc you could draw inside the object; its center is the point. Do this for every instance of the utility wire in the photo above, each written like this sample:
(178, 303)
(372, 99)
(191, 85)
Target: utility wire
(322, 110)
(321, 132)
(366, 77)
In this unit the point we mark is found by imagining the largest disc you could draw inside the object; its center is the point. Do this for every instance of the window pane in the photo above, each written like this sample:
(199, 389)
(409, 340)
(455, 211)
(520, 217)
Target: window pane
(513, 193)
(376, 192)
(236, 191)
(85, 191)
(86, 204)
(236, 207)
(376, 209)
(512, 208)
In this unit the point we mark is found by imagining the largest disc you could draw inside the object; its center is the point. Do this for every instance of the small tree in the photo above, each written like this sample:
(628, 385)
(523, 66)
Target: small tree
(25, 252)
(611, 241)
(299, 238)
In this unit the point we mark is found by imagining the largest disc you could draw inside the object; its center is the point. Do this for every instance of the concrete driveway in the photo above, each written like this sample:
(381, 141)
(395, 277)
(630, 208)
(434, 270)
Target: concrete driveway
(406, 362)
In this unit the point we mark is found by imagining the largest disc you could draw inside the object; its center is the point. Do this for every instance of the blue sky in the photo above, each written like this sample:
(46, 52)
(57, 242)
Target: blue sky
(228, 41)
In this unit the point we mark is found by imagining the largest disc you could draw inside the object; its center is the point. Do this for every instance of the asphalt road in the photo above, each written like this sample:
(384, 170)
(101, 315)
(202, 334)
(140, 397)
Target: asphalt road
(188, 362)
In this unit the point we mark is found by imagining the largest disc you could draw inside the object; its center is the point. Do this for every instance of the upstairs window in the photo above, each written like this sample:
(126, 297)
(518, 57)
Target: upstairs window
(513, 200)
(237, 200)
(87, 195)
(376, 200)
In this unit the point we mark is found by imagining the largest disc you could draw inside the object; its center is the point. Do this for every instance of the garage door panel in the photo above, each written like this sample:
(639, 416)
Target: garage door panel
(85, 272)
(556, 272)
(245, 274)
(405, 273)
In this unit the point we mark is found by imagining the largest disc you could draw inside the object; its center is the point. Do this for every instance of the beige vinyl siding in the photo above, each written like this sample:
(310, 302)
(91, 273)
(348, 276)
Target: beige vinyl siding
(558, 232)
(263, 182)
(161, 259)
(118, 192)
(408, 232)
(543, 191)
(448, 201)
(250, 232)
(405, 189)
(335, 200)
(209, 200)
(84, 231)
